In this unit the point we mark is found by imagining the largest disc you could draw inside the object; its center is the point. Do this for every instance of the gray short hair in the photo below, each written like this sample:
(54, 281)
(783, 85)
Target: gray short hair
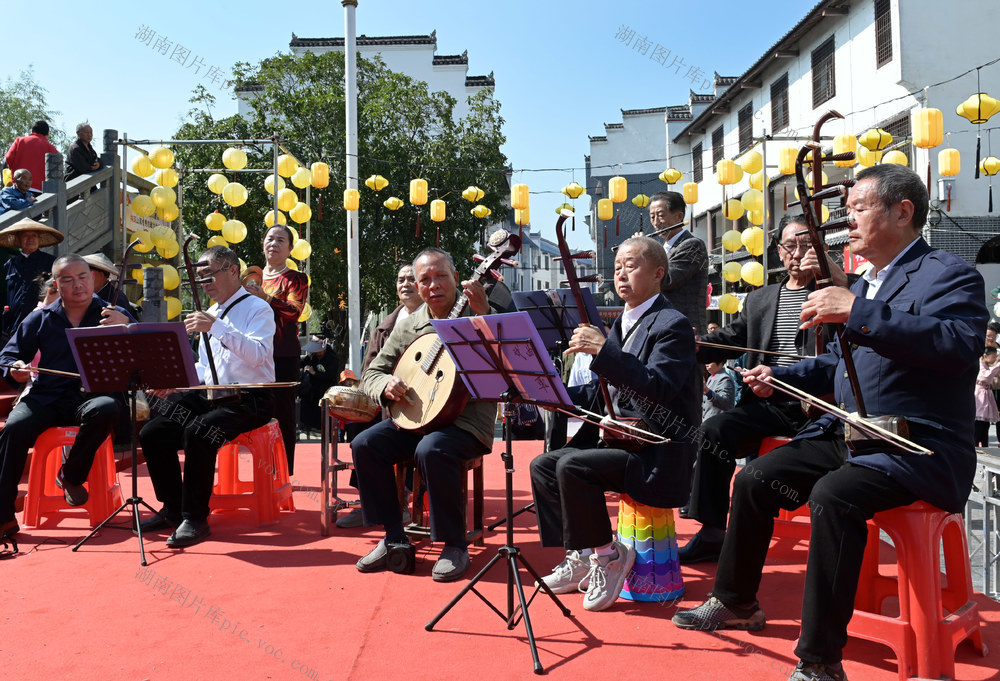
(81, 126)
(435, 252)
(896, 183)
(220, 254)
(650, 250)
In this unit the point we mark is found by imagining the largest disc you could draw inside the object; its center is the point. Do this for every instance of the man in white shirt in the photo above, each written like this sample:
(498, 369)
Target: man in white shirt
(240, 328)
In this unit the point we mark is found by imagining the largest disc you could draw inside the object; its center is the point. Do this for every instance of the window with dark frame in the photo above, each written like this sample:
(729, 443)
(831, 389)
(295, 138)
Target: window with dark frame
(823, 73)
(697, 170)
(900, 129)
(883, 33)
(718, 150)
(745, 118)
(779, 103)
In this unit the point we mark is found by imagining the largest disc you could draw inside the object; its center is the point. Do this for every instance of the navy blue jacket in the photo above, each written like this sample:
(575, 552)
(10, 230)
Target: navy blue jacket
(20, 272)
(918, 348)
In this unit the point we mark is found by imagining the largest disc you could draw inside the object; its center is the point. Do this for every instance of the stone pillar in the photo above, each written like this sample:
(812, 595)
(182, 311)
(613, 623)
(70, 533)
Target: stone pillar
(154, 309)
(55, 183)
(110, 159)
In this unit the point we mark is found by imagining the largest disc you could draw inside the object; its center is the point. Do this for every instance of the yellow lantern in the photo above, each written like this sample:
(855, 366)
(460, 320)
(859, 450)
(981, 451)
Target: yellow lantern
(216, 183)
(295, 233)
(640, 201)
(302, 178)
(288, 198)
(169, 212)
(393, 203)
(875, 139)
(978, 108)
(301, 250)
(729, 303)
(605, 209)
(690, 193)
(145, 244)
(755, 217)
(161, 235)
(757, 181)
(671, 176)
(235, 194)
(161, 157)
(163, 196)
(573, 190)
(352, 199)
(896, 157)
(732, 209)
(171, 278)
(173, 306)
(167, 177)
(291, 264)
(990, 166)
(752, 162)
(949, 162)
(928, 128)
(824, 214)
(142, 167)
(269, 219)
(728, 172)
(217, 241)
(268, 183)
(143, 206)
(521, 216)
(168, 250)
(418, 191)
(809, 180)
(753, 239)
(617, 189)
(753, 273)
(732, 271)
(300, 213)
(234, 231)
(481, 211)
(214, 221)
(519, 196)
(731, 240)
(287, 165)
(307, 312)
(320, 173)
(472, 194)
(786, 160)
(843, 144)
(376, 183)
(437, 210)
(234, 159)
(568, 207)
(867, 157)
(752, 199)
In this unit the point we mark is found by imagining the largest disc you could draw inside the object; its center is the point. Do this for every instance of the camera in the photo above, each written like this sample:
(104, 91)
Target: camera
(401, 557)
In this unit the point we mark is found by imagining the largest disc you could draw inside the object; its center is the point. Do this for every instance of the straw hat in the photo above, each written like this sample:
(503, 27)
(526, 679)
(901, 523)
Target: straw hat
(99, 261)
(46, 235)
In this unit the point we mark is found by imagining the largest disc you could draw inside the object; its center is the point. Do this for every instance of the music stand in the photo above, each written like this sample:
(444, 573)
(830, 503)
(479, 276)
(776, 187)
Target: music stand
(501, 357)
(127, 358)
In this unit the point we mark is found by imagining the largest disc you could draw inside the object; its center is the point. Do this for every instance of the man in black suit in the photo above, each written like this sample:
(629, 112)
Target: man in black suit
(649, 361)
(769, 321)
(685, 284)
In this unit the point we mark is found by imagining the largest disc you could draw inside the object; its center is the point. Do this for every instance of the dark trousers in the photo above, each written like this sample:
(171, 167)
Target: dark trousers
(981, 430)
(437, 455)
(732, 435)
(568, 486)
(286, 369)
(556, 422)
(841, 497)
(188, 421)
(95, 415)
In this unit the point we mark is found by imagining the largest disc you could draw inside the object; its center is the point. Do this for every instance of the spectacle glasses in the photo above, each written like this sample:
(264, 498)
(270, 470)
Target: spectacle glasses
(209, 277)
(792, 247)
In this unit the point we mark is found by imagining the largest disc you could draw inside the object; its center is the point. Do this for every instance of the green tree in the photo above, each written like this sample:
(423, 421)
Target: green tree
(404, 132)
(22, 102)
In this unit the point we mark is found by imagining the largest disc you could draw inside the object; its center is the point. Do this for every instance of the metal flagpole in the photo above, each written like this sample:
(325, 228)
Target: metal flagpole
(353, 227)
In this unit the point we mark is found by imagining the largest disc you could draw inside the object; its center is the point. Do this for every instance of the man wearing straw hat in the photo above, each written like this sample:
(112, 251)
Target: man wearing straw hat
(21, 272)
(103, 270)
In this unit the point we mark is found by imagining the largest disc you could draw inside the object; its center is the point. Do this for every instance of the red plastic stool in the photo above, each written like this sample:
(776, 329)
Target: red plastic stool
(785, 526)
(44, 498)
(933, 619)
(270, 490)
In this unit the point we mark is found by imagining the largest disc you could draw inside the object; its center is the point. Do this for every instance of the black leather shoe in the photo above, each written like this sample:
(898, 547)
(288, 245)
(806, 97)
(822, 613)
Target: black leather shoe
(161, 521)
(75, 495)
(699, 550)
(189, 533)
(9, 528)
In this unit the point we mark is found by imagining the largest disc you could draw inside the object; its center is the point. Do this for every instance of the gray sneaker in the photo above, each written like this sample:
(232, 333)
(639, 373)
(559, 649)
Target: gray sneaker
(714, 614)
(570, 575)
(352, 519)
(452, 565)
(808, 671)
(607, 576)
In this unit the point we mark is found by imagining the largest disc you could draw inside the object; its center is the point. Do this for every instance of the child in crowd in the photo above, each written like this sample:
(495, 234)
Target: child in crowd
(986, 404)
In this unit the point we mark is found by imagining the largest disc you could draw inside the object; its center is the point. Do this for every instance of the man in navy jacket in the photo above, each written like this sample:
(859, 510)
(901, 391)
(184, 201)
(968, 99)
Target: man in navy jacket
(917, 320)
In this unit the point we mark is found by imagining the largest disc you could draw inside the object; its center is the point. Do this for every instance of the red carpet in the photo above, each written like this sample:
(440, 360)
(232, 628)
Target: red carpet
(284, 602)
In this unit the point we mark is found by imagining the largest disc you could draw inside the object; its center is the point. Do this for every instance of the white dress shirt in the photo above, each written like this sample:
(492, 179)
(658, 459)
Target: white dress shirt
(876, 280)
(242, 340)
(631, 315)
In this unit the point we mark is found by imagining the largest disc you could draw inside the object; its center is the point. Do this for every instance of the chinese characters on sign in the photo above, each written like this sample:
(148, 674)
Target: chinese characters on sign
(663, 56)
(183, 56)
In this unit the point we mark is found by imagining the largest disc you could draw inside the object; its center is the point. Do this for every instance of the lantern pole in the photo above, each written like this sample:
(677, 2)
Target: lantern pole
(353, 227)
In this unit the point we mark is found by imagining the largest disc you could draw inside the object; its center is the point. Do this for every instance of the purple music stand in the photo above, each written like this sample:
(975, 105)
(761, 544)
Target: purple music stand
(128, 358)
(502, 358)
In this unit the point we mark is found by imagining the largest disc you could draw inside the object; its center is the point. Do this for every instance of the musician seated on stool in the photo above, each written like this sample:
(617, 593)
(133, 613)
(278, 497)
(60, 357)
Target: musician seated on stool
(649, 360)
(56, 400)
(241, 331)
(437, 454)
(917, 320)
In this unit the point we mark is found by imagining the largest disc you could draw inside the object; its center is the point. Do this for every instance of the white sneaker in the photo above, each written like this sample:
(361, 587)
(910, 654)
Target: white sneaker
(607, 576)
(569, 575)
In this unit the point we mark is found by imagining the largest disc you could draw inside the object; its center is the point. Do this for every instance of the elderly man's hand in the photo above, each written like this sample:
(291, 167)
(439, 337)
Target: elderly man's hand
(586, 338)
(110, 316)
(476, 293)
(830, 305)
(199, 322)
(20, 375)
(756, 380)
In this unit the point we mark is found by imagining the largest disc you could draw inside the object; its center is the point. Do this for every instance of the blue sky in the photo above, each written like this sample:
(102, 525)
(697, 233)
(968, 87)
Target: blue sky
(560, 72)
